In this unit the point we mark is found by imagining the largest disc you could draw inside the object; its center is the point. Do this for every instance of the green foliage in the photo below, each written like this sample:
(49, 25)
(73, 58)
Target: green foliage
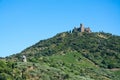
(5, 70)
(4, 76)
(67, 56)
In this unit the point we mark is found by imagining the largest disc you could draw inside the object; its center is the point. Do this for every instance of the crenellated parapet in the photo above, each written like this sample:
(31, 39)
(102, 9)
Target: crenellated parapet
(82, 29)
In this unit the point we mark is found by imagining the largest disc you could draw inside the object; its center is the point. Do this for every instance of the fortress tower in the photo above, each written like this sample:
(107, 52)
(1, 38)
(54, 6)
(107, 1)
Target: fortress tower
(82, 29)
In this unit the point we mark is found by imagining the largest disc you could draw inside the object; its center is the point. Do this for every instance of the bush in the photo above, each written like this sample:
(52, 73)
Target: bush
(4, 76)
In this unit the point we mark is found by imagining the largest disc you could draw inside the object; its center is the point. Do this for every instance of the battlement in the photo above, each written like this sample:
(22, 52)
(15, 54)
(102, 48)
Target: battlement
(82, 29)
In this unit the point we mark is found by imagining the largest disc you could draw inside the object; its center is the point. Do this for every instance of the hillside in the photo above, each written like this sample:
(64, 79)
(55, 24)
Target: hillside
(71, 55)
(101, 48)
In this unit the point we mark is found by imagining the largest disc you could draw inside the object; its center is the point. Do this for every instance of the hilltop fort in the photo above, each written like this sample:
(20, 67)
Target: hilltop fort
(82, 29)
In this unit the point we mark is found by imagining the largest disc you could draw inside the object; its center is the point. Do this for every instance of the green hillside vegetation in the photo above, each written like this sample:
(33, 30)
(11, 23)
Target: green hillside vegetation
(71, 55)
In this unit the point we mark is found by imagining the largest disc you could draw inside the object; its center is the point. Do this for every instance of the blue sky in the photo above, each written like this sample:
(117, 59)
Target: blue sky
(25, 22)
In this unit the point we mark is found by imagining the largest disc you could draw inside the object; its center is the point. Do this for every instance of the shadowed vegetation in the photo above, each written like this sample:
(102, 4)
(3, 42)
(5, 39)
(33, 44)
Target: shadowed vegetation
(67, 56)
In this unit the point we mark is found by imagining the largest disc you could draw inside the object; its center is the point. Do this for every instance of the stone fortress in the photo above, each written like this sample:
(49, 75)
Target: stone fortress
(82, 29)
